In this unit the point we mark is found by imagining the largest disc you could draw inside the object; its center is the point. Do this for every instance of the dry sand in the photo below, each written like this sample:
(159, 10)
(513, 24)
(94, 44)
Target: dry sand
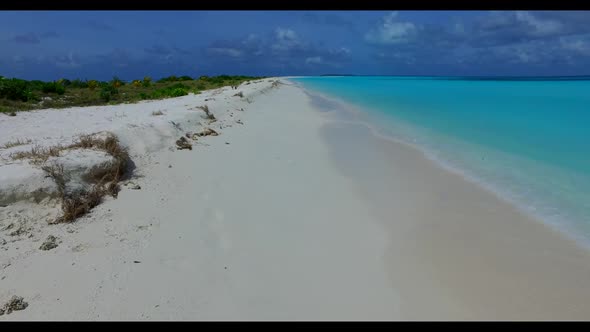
(299, 217)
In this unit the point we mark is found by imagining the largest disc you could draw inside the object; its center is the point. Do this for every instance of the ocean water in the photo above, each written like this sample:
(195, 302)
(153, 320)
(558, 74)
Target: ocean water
(527, 140)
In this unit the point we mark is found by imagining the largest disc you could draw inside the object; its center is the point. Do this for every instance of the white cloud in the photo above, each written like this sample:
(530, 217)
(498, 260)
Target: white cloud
(316, 60)
(578, 45)
(340, 51)
(285, 34)
(227, 51)
(391, 31)
(251, 39)
(67, 61)
(286, 40)
(520, 53)
(539, 27)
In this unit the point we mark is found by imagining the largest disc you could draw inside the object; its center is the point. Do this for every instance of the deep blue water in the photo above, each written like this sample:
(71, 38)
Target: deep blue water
(527, 139)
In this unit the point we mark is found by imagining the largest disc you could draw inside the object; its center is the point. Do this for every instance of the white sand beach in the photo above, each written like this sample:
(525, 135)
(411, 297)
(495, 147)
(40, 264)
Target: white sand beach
(288, 214)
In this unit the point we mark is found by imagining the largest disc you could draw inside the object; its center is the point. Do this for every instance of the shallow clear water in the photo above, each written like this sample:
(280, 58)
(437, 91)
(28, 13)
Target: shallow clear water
(528, 140)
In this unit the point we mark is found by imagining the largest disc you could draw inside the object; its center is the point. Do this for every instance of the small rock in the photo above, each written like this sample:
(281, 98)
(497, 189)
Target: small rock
(2, 242)
(227, 143)
(16, 303)
(136, 262)
(20, 230)
(7, 227)
(169, 166)
(240, 122)
(50, 243)
(208, 132)
(182, 143)
(135, 187)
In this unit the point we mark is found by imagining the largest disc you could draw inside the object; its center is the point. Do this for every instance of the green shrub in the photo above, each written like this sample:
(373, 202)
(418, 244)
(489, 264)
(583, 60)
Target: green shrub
(166, 79)
(178, 92)
(147, 81)
(64, 82)
(77, 83)
(15, 89)
(93, 84)
(108, 92)
(53, 87)
(175, 90)
(174, 79)
(116, 82)
(31, 96)
(178, 86)
(36, 85)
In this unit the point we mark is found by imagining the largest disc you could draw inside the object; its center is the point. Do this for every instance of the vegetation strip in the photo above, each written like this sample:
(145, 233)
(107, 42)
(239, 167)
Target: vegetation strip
(21, 95)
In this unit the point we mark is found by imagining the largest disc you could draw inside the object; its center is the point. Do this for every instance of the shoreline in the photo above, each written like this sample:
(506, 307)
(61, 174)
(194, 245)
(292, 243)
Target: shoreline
(291, 214)
(448, 291)
(351, 113)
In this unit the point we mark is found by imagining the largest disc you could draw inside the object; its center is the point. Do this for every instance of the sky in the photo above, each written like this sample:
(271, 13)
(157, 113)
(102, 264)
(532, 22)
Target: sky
(49, 45)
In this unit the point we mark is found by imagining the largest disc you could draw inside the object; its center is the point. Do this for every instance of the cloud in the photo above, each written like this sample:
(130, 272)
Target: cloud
(286, 40)
(71, 60)
(501, 28)
(313, 60)
(226, 51)
(33, 38)
(118, 57)
(391, 31)
(577, 45)
(495, 39)
(164, 54)
(538, 26)
(340, 52)
(281, 51)
(250, 47)
(27, 38)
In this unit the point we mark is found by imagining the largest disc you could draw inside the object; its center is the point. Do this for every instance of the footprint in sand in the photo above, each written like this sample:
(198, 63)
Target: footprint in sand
(214, 219)
(80, 247)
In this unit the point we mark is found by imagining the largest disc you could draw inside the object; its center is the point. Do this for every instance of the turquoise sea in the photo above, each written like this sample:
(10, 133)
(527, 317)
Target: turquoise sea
(526, 139)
